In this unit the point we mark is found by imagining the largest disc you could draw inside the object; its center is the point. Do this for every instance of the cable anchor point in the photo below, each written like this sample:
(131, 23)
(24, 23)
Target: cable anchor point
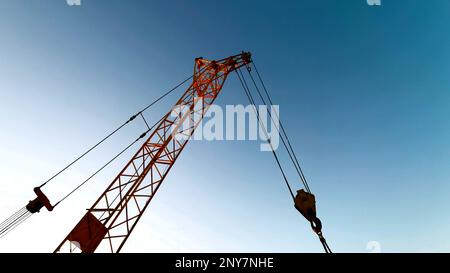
(39, 202)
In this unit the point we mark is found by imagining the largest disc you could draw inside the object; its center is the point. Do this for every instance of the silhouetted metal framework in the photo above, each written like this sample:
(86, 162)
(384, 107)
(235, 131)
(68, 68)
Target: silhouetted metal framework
(109, 222)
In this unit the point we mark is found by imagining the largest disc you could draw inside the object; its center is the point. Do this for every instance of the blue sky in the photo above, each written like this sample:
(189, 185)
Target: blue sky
(363, 93)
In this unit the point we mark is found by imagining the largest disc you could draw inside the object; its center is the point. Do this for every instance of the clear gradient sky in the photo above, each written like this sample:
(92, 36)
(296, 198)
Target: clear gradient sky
(363, 92)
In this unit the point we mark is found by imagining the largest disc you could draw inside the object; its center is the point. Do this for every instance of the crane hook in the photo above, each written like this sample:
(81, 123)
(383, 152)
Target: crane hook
(305, 203)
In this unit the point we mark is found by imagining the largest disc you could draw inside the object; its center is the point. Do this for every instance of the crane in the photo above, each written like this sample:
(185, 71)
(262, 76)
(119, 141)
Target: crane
(108, 223)
(113, 219)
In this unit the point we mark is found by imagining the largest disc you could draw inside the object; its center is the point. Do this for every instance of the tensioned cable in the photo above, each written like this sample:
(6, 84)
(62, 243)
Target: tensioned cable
(281, 125)
(109, 162)
(13, 221)
(116, 130)
(17, 224)
(252, 101)
(282, 134)
(21, 215)
(12, 218)
(325, 245)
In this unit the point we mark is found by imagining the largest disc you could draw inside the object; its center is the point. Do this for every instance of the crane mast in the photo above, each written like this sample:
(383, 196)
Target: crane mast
(107, 225)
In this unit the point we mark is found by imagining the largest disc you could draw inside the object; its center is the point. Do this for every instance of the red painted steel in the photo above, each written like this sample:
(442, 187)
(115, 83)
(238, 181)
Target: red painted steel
(117, 211)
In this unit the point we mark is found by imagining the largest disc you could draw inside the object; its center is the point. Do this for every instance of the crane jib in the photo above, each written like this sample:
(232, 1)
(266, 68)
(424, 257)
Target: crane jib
(109, 222)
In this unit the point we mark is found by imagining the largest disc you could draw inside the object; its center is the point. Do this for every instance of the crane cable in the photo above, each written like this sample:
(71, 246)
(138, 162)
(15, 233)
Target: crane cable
(316, 228)
(13, 221)
(116, 130)
(286, 143)
(252, 102)
(24, 213)
(109, 162)
(21, 215)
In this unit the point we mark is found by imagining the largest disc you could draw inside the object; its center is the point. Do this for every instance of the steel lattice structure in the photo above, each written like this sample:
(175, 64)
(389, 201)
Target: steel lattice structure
(109, 222)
